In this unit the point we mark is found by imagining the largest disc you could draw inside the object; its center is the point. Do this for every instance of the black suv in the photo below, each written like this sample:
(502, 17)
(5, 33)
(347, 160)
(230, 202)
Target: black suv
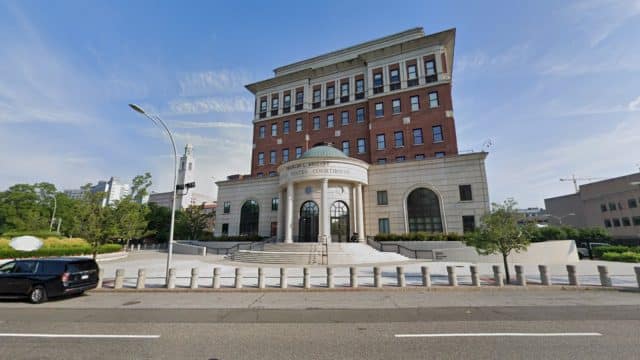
(39, 279)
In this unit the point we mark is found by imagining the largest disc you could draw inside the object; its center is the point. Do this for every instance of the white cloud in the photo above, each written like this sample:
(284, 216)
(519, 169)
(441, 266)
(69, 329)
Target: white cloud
(599, 19)
(208, 124)
(212, 104)
(208, 82)
(634, 105)
(481, 59)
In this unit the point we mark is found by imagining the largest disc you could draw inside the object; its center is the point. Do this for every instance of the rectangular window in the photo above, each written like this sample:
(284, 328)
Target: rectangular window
(632, 203)
(298, 152)
(603, 207)
(377, 83)
(380, 141)
(395, 106)
(616, 222)
(261, 132)
(273, 157)
(360, 115)
(344, 92)
(330, 121)
(316, 122)
(345, 147)
(274, 106)
(437, 134)
(383, 226)
(260, 174)
(636, 220)
(361, 146)
(285, 127)
(299, 100)
(417, 137)
(382, 161)
(274, 129)
(226, 207)
(286, 102)
(626, 221)
(400, 158)
(344, 118)
(394, 79)
(433, 99)
(273, 173)
(298, 125)
(612, 206)
(398, 136)
(331, 93)
(274, 203)
(465, 193)
(430, 71)
(225, 229)
(415, 103)
(419, 156)
(263, 108)
(285, 155)
(379, 109)
(468, 223)
(439, 154)
(316, 98)
(260, 158)
(359, 89)
(607, 223)
(382, 197)
(412, 75)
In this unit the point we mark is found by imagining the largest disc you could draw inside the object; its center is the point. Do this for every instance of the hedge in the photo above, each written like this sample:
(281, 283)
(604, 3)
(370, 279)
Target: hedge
(598, 251)
(53, 247)
(420, 236)
(42, 234)
(628, 256)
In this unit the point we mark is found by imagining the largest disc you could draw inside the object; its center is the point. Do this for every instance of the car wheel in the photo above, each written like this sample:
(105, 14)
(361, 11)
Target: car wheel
(38, 294)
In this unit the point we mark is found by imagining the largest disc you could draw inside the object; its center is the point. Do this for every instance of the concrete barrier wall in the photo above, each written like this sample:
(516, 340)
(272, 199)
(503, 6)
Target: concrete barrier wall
(180, 248)
(426, 245)
(548, 252)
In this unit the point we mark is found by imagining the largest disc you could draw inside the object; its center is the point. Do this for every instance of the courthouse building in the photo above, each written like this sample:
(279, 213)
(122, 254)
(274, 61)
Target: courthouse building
(357, 142)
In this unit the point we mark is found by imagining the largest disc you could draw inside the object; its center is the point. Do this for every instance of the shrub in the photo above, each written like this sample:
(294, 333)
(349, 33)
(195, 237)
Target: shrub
(56, 247)
(37, 233)
(628, 256)
(599, 251)
(109, 248)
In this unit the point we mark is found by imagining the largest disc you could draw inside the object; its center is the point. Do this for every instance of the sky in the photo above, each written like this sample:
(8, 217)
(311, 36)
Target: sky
(553, 85)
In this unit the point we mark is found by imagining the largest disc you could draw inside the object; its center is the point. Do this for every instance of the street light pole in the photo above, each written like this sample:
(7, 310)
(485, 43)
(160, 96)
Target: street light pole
(158, 122)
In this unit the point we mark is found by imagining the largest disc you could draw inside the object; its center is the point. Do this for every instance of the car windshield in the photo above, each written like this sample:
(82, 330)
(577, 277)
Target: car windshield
(7, 268)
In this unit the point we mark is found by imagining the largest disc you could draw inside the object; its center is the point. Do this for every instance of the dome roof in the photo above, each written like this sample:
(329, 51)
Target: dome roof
(323, 152)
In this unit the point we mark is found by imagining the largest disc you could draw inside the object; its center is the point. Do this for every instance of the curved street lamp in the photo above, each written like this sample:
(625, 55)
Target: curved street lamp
(158, 122)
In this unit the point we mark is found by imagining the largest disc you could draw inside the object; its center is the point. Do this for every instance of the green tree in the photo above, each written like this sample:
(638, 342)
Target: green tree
(95, 222)
(159, 220)
(23, 209)
(130, 219)
(140, 187)
(500, 233)
(192, 222)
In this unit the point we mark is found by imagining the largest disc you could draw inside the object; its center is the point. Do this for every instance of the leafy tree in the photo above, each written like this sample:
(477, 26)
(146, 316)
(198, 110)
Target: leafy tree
(22, 209)
(140, 186)
(130, 219)
(96, 223)
(159, 219)
(192, 222)
(500, 233)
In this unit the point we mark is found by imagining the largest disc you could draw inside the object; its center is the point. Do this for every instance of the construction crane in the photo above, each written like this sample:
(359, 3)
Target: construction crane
(574, 179)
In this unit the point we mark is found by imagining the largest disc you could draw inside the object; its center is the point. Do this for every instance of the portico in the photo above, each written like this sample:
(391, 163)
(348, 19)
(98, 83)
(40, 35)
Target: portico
(324, 197)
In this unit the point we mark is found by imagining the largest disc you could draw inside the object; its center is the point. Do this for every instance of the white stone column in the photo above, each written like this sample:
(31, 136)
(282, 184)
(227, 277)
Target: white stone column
(325, 227)
(360, 212)
(281, 204)
(288, 230)
(353, 222)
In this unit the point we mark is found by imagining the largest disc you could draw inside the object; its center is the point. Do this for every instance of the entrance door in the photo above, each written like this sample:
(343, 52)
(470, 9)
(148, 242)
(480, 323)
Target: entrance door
(308, 224)
(339, 222)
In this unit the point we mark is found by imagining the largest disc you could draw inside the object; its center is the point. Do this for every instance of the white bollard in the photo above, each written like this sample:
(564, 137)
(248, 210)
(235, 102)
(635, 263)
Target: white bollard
(497, 276)
(475, 277)
(119, 279)
(400, 279)
(637, 270)
(544, 275)
(141, 279)
(261, 284)
(522, 281)
(194, 278)
(377, 277)
(238, 283)
(451, 274)
(306, 278)
(353, 277)
(605, 280)
(330, 284)
(138, 247)
(283, 278)
(426, 276)
(171, 281)
(215, 282)
(573, 277)
(100, 276)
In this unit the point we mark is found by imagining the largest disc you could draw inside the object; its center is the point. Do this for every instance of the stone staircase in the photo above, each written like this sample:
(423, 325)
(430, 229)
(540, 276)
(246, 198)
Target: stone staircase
(311, 254)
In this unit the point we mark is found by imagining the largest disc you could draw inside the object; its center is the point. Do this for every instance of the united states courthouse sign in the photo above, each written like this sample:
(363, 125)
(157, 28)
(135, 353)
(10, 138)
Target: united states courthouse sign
(305, 170)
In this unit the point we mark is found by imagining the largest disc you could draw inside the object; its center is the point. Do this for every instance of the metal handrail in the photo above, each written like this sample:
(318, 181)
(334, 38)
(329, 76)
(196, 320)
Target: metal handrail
(399, 249)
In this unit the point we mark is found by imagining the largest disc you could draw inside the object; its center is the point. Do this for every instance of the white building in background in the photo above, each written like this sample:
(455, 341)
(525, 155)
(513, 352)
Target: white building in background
(185, 197)
(113, 188)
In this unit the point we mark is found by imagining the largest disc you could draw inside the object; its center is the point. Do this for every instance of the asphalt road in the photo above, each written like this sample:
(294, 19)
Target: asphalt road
(464, 323)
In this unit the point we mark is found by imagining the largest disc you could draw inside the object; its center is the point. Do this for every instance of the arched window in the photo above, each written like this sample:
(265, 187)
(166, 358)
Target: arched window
(423, 211)
(339, 217)
(249, 218)
(308, 222)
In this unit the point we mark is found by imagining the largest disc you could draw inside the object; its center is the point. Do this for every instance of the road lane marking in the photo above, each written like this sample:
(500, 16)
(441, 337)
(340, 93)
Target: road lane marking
(87, 336)
(497, 334)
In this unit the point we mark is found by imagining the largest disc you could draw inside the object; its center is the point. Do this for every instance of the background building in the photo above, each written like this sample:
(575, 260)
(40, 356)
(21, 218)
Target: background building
(612, 204)
(392, 165)
(113, 188)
